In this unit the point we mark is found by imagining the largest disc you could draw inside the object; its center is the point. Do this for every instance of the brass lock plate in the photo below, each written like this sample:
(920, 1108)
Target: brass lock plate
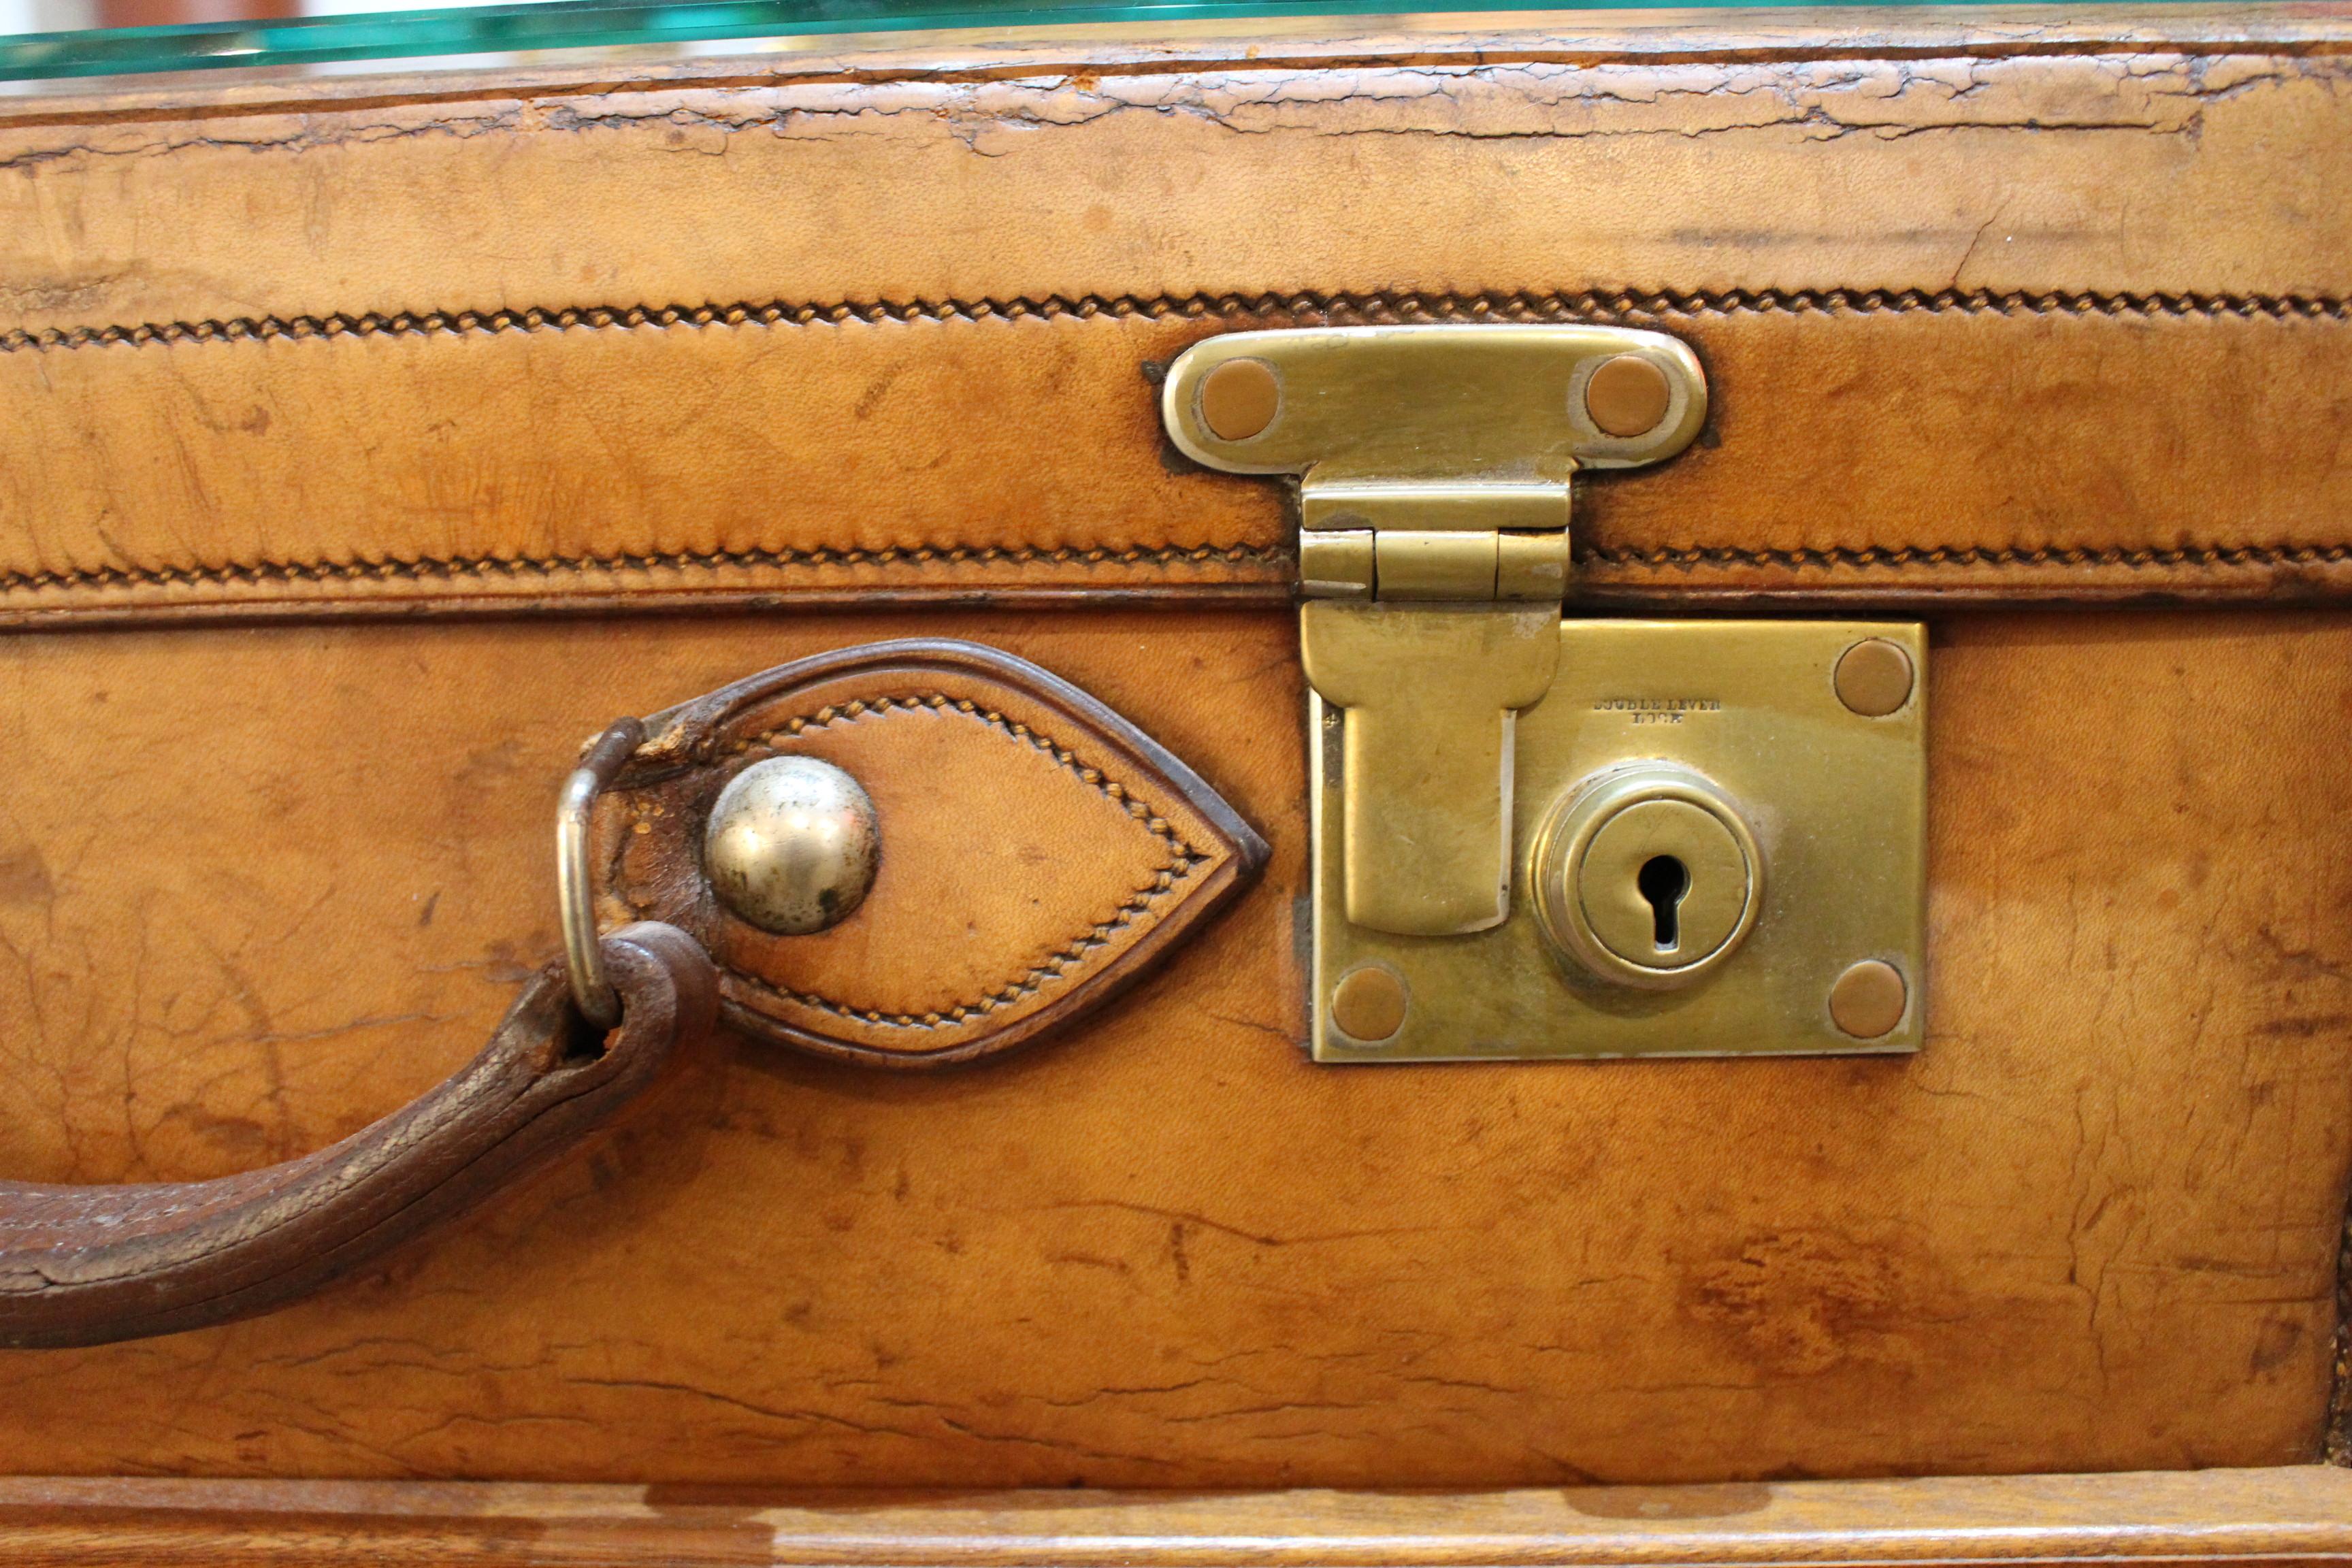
(1719, 842)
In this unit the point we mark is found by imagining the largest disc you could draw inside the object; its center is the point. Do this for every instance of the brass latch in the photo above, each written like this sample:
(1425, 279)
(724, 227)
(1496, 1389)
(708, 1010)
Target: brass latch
(1435, 466)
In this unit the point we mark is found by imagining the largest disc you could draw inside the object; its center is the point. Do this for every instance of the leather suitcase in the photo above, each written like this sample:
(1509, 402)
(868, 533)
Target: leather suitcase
(876, 422)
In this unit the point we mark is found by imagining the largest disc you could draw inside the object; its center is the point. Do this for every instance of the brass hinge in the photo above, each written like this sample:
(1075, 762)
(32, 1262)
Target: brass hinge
(1434, 468)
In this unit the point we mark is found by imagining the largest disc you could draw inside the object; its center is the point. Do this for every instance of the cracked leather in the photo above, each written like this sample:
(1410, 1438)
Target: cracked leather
(2066, 312)
(87, 1265)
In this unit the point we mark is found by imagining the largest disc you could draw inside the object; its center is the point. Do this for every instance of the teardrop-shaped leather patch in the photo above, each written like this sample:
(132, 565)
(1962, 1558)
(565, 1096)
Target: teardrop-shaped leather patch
(1038, 852)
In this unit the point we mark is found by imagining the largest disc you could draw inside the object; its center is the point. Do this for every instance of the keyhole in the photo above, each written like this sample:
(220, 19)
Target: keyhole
(1665, 880)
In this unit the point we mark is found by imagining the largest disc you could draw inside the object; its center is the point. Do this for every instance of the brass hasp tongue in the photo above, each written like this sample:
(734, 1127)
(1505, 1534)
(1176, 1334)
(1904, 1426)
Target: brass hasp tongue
(1434, 468)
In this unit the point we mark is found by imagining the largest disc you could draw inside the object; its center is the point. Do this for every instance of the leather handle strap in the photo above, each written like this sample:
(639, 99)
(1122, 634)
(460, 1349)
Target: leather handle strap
(86, 1264)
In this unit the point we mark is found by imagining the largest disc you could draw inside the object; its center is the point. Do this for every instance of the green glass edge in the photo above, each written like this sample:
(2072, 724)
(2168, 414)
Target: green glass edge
(567, 25)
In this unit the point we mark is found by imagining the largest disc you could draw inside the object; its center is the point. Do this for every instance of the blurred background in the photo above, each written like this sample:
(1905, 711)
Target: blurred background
(70, 16)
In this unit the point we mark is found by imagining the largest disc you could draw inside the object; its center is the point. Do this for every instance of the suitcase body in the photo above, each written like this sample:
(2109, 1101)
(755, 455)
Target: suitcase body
(370, 444)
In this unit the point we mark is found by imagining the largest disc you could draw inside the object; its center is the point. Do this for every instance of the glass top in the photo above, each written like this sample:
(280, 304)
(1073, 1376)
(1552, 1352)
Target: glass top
(47, 40)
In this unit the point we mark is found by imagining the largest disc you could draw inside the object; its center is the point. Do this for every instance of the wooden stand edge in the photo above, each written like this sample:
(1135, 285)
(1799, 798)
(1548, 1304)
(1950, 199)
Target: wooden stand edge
(2208, 1517)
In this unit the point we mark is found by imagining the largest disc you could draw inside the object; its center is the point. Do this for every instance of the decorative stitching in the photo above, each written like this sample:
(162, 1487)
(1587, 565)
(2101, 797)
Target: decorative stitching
(262, 572)
(1184, 860)
(1890, 558)
(1374, 308)
(1907, 557)
(1378, 307)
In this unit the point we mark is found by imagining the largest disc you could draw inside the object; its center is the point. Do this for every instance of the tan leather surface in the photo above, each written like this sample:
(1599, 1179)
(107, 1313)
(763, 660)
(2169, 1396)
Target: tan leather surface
(1038, 853)
(1880, 152)
(2034, 449)
(2063, 317)
(262, 885)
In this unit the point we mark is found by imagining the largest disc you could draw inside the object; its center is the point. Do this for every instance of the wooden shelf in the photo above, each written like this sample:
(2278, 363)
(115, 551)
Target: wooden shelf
(2303, 1514)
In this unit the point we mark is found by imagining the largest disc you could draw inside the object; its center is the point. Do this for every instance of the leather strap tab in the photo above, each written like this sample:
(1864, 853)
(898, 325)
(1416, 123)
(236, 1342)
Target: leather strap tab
(86, 1264)
(1039, 852)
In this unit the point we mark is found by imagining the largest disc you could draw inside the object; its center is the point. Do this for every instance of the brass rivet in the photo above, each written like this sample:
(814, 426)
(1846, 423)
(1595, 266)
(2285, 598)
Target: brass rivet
(1239, 399)
(1368, 1004)
(1875, 677)
(1868, 999)
(1627, 396)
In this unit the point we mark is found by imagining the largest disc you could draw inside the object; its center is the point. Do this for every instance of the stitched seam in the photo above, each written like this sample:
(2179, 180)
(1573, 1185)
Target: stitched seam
(1908, 558)
(262, 573)
(1375, 307)
(1893, 558)
(1184, 860)
(1371, 307)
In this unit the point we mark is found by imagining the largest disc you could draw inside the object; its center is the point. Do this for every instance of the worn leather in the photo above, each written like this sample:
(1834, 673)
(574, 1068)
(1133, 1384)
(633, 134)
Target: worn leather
(1040, 854)
(2092, 1226)
(86, 1265)
(1987, 449)
(1995, 311)
(2063, 311)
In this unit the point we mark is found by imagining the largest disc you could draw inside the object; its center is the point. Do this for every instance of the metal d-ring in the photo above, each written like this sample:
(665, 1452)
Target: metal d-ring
(576, 885)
